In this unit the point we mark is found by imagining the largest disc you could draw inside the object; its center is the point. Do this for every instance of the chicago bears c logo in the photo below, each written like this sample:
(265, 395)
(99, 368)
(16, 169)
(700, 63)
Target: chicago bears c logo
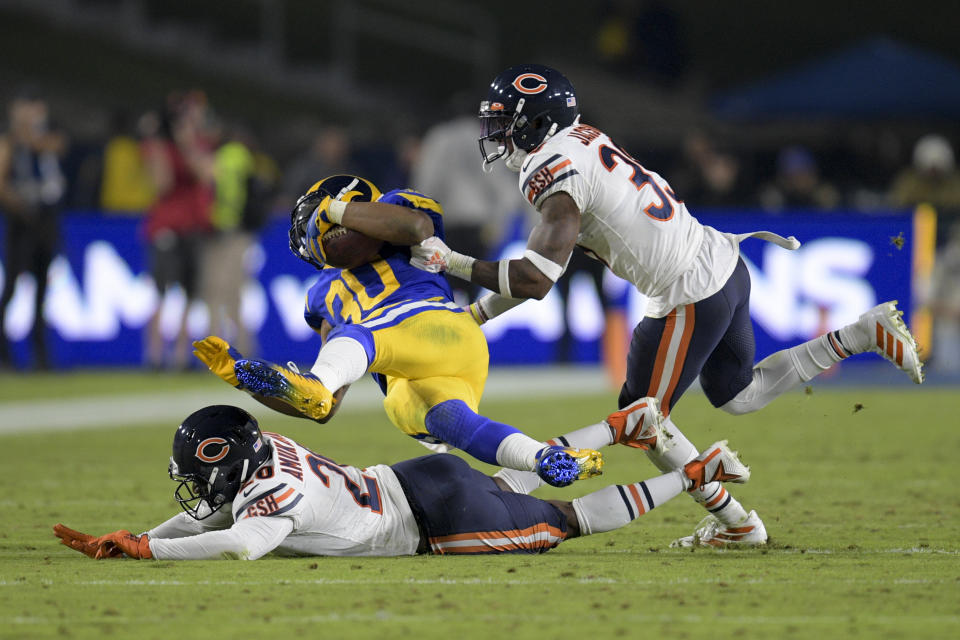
(530, 83)
(216, 455)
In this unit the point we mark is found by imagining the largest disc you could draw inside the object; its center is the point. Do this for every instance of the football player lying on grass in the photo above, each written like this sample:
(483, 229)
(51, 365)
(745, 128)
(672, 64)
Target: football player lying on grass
(246, 493)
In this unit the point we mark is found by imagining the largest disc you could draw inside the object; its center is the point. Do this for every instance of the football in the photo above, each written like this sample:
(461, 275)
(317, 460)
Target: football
(346, 248)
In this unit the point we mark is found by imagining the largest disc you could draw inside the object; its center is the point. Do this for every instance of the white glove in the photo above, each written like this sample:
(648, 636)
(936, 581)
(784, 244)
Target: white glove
(433, 255)
(430, 255)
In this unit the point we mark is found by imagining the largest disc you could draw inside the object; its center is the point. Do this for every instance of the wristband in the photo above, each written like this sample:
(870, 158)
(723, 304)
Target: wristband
(476, 312)
(335, 211)
(460, 265)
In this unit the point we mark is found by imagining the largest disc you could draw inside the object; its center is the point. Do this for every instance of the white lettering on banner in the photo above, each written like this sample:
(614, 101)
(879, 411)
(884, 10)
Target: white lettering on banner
(797, 294)
(819, 287)
(110, 294)
(19, 316)
(289, 294)
(832, 281)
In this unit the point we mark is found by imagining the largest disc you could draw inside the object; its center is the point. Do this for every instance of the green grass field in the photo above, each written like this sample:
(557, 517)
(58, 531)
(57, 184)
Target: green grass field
(861, 505)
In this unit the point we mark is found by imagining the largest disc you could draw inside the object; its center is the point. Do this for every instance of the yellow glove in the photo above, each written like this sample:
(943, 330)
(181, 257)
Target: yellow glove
(220, 357)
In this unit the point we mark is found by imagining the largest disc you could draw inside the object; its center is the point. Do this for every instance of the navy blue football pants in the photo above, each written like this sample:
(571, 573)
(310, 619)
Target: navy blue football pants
(712, 338)
(460, 510)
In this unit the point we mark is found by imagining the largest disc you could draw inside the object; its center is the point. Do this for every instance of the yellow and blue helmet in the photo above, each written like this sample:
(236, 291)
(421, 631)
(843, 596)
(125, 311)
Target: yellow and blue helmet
(305, 230)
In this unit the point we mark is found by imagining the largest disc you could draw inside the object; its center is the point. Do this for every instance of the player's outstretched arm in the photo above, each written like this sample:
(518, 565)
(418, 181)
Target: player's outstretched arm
(389, 222)
(548, 250)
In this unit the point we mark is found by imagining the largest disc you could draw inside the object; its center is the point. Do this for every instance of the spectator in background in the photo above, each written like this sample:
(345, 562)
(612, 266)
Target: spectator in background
(945, 305)
(329, 154)
(179, 159)
(932, 179)
(707, 177)
(643, 39)
(798, 184)
(125, 185)
(476, 205)
(244, 184)
(32, 186)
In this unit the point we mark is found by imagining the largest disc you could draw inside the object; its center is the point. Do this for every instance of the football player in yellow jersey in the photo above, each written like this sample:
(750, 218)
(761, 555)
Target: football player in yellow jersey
(400, 323)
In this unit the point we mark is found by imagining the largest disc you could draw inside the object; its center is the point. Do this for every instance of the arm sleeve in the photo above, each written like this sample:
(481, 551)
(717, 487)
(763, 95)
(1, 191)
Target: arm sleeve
(182, 525)
(249, 539)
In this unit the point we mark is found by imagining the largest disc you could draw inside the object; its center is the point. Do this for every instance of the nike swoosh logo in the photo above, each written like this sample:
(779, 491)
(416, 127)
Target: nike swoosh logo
(248, 492)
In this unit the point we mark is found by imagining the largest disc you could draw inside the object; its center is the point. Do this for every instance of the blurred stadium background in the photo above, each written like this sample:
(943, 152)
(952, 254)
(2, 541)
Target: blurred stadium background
(836, 124)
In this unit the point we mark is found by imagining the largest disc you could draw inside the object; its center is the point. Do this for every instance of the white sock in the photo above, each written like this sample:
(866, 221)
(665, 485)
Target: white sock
(593, 436)
(718, 501)
(787, 369)
(680, 452)
(340, 361)
(617, 505)
(518, 451)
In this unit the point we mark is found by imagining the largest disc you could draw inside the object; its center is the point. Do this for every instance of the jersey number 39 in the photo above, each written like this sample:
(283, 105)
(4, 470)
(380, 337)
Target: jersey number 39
(609, 156)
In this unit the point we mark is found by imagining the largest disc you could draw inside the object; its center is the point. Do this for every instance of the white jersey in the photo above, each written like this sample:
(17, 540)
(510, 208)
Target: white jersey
(630, 218)
(300, 503)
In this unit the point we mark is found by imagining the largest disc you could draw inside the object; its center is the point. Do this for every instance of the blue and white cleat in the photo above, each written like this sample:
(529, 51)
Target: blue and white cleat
(562, 466)
(302, 391)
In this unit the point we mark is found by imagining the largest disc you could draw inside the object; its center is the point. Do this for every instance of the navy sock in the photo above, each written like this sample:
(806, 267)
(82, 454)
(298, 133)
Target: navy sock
(456, 424)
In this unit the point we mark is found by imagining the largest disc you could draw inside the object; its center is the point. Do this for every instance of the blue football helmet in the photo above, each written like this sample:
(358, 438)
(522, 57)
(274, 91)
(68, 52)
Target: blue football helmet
(215, 451)
(527, 103)
(302, 231)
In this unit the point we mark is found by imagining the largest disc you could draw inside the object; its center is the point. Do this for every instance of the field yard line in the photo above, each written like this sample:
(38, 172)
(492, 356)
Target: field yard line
(385, 616)
(467, 581)
(126, 410)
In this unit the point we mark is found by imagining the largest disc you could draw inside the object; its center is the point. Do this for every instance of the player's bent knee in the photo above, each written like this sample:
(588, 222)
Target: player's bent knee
(749, 399)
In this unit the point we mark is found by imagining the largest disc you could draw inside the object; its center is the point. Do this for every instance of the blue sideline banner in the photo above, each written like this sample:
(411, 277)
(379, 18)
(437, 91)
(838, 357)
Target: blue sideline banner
(100, 295)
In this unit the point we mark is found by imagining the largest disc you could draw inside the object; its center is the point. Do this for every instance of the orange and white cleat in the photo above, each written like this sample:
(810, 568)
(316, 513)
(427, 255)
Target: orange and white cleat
(639, 425)
(716, 464)
(750, 532)
(888, 336)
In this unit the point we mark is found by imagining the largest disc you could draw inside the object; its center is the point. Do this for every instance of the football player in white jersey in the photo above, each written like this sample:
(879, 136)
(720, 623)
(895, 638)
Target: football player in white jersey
(246, 493)
(592, 193)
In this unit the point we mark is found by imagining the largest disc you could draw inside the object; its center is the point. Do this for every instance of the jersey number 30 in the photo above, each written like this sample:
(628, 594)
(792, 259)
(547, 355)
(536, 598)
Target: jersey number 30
(642, 180)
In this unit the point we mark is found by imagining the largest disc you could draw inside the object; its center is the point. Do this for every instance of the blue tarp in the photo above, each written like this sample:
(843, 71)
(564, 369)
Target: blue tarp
(878, 78)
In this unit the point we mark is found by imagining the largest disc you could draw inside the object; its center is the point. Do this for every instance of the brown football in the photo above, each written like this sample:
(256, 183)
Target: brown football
(346, 248)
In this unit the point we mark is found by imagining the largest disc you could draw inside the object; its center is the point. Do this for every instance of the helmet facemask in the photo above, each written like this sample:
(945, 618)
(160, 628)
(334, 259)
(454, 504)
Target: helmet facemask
(515, 134)
(299, 219)
(199, 496)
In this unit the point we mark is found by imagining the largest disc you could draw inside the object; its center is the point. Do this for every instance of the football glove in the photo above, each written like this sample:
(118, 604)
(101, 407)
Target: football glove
(82, 542)
(430, 255)
(433, 255)
(220, 357)
(119, 543)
